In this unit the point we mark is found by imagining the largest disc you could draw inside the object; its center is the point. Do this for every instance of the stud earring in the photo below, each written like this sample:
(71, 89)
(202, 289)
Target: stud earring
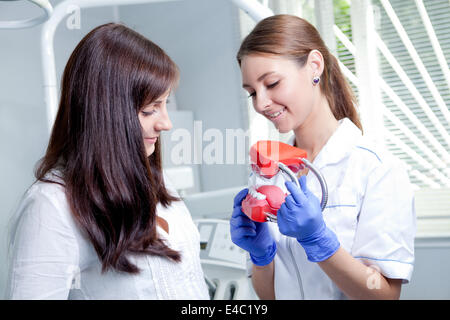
(316, 80)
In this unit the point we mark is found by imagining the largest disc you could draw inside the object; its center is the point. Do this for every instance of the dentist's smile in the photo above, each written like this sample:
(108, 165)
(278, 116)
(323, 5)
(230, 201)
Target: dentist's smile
(274, 115)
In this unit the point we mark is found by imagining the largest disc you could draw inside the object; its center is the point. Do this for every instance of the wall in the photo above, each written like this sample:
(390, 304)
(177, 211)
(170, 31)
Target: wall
(202, 37)
(430, 279)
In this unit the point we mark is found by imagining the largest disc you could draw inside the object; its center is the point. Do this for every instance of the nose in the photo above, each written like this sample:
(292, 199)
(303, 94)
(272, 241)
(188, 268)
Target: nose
(164, 123)
(261, 102)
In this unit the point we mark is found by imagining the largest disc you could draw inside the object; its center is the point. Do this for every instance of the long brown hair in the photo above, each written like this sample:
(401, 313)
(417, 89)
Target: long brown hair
(96, 143)
(294, 38)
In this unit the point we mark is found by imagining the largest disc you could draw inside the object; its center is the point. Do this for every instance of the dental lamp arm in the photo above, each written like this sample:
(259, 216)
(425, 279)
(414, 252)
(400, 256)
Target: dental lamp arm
(254, 9)
(28, 23)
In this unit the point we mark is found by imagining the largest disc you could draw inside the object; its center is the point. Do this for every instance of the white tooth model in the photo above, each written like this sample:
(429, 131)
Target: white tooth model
(255, 181)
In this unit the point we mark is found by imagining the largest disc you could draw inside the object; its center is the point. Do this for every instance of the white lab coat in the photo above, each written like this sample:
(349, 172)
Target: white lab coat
(370, 208)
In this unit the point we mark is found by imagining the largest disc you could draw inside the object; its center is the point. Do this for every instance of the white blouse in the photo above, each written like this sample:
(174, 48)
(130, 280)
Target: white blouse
(50, 257)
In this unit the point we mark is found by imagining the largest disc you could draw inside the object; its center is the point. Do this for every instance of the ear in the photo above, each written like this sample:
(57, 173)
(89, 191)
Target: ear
(316, 62)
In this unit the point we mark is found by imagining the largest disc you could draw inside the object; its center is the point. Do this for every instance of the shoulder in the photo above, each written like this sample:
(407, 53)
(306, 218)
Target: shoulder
(45, 193)
(52, 190)
(379, 172)
(42, 221)
(373, 157)
(371, 167)
(45, 203)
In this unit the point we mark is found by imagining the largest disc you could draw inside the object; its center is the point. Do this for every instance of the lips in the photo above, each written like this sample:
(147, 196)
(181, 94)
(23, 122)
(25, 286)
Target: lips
(274, 114)
(151, 140)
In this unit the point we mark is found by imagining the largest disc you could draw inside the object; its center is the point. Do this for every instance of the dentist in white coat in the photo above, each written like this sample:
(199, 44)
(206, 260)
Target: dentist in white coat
(362, 245)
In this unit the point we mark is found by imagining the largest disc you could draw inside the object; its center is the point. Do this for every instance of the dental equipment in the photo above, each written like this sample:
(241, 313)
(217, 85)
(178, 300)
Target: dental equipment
(268, 158)
(224, 263)
(27, 23)
(256, 10)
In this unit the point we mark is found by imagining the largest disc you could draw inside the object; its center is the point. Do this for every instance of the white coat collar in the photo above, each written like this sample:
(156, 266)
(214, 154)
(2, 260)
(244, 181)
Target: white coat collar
(338, 145)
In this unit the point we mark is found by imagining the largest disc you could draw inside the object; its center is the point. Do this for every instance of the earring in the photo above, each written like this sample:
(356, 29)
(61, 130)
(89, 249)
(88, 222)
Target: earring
(316, 80)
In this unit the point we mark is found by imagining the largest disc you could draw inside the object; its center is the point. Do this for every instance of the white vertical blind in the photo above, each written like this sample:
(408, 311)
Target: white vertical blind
(406, 35)
(414, 52)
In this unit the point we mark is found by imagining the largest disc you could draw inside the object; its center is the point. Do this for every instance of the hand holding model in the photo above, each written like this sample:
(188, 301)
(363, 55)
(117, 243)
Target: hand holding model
(251, 236)
(300, 216)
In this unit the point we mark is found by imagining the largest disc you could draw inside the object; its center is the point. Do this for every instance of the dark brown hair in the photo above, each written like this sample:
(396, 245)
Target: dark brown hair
(96, 143)
(294, 38)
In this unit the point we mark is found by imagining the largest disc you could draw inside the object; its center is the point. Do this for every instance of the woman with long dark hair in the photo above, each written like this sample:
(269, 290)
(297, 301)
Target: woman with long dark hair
(362, 245)
(101, 221)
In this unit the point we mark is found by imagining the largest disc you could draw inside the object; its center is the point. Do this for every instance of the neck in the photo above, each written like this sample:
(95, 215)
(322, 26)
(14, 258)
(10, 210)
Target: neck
(315, 131)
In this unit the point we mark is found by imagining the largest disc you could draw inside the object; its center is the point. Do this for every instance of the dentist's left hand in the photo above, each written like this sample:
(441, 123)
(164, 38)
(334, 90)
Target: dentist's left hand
(251, 236)
(300, 217)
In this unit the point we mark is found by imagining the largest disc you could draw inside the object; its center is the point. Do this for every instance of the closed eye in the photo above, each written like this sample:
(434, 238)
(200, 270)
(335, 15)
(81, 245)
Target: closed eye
(273, 85)
(270, 86)
(148, 113)
(156, 106)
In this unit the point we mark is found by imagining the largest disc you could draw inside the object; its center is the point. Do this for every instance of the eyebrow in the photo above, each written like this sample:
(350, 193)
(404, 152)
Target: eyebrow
(259, 79)
(160, 100)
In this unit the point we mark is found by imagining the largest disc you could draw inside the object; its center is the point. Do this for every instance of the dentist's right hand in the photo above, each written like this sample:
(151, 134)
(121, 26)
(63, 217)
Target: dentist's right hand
(251, 236)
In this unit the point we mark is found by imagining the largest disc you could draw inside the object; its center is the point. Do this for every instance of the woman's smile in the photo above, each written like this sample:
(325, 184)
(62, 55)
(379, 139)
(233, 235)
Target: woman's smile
(274, 115)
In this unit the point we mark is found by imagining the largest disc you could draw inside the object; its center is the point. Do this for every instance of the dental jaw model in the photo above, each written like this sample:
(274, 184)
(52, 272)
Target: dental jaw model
(272, 163)
(265, 197)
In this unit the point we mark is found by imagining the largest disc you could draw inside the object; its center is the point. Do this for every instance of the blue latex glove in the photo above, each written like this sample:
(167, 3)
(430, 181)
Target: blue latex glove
(251, 236)
(300, 216)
